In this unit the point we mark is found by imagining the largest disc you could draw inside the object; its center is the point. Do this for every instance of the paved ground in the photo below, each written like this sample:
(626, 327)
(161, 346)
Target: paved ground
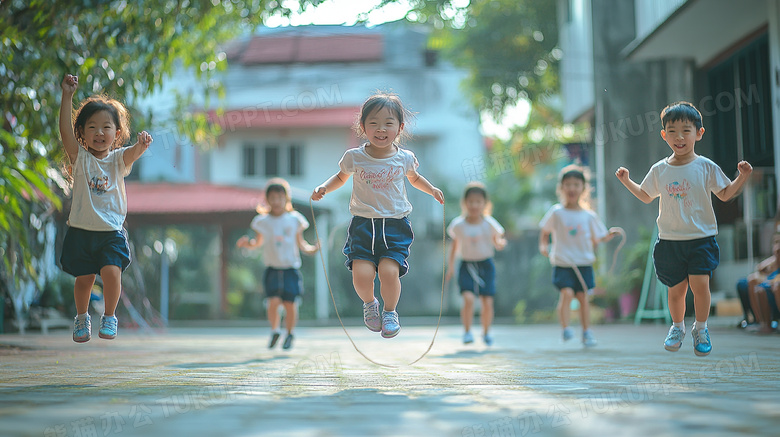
(223, 381)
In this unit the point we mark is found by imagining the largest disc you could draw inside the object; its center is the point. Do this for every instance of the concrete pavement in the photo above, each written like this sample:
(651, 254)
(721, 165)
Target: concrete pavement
(224, 381)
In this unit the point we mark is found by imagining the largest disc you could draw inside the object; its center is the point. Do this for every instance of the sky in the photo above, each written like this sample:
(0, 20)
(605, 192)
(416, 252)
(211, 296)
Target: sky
(347, 12)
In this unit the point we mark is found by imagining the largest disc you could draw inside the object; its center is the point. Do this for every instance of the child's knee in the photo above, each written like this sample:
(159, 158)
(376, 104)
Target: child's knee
(388, 269)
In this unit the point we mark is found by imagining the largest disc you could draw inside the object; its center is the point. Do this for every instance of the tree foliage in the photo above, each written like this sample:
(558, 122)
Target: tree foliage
(509, 47)
(123, 48)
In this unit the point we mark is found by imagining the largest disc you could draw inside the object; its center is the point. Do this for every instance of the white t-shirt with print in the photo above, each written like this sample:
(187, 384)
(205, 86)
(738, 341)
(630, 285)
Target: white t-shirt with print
(476, 239)
(280, 238)
(685, 206)
(573, 232)
(99, 197)
(378, 185)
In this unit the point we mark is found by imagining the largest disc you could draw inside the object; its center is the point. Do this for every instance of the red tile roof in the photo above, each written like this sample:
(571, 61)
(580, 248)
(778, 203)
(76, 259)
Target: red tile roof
(168, 198)
(312, 49)
(244, 118)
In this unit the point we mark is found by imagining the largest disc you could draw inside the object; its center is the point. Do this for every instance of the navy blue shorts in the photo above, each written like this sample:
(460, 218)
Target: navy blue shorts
(564, 277)
(374, 239)
(86, 252)
(284, 283)
(675, 260)
(478, 277)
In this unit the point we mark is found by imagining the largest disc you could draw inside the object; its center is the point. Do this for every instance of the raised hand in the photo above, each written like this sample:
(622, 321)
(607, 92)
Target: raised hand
(70, 83)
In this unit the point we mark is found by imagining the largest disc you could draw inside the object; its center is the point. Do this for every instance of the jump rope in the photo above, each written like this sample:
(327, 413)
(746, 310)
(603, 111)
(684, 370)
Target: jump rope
(615, 229)
(618, 230)
(335, 307)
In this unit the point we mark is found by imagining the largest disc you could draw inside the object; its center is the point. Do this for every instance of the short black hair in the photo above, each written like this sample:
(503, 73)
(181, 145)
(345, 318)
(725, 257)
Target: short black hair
(572, 173)
(684, 111)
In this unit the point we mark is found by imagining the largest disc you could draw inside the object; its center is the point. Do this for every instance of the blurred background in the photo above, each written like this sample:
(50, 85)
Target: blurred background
(504, 91)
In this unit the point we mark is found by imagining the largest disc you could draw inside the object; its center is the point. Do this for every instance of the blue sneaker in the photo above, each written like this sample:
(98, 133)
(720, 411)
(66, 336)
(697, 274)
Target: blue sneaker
(107, 327)
(488, 339)
(674, 339)
(468, 338)
(568, 333)
(701, 342)
(82, 330)
(390, 325)
(371, 316)
(588, 340)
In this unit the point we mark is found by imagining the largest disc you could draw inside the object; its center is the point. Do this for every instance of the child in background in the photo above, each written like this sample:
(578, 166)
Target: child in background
(686, 252)
(575, 231)
(380, 233)
(475, 235)
(281, 228)
(96, 241)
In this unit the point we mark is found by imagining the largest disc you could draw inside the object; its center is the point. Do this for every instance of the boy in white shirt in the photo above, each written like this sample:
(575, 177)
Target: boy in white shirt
(686, 252)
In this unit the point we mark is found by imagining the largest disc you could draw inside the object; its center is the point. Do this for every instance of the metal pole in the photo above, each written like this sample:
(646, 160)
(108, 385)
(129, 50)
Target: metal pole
(164, 292)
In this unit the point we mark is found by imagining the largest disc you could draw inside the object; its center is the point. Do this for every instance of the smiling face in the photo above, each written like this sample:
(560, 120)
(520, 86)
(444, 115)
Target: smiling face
(681, 136)
(571, 190)
(99, 133)
(382, 128)
(475, 203)
(277, 201)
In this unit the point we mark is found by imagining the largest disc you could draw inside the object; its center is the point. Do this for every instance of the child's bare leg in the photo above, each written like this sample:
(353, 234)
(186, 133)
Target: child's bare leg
(584, 310)
(762, 310)
(82, 291)
(363, 274)
(390, 283)
(467, 311)
(273, 312)
(564, 306)
(753, 281)
(487, 313)
(112, 287)
(677, 301)
(291, 311)
(700, 286)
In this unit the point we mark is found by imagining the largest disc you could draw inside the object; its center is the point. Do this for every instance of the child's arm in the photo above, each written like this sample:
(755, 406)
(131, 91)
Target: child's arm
(332, 184)
(633, 187)
(451, 260)
(250, 244)
(544, 243)
(499, 241)
(136, 150)
(767, 266)
(733, 188)
(308, 249)
(422, 184)
(606, 238)
(69, 85)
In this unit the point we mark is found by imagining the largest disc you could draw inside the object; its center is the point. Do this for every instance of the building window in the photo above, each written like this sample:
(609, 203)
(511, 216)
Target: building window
(295, 160)
(272, 160)
(250, 161)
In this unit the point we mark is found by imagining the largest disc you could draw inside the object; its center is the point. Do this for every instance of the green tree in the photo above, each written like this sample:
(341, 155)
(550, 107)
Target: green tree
(509, 47)
(122, 48)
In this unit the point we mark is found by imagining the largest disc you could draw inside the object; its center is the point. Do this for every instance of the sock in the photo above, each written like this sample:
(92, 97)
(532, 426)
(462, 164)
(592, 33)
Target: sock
(82, 316)
(700, 325)
(369, 303)
(680, 325)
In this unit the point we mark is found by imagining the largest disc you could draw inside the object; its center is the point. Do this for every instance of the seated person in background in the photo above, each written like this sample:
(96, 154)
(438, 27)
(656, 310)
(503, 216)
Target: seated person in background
(744, 285)
(764, 290)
